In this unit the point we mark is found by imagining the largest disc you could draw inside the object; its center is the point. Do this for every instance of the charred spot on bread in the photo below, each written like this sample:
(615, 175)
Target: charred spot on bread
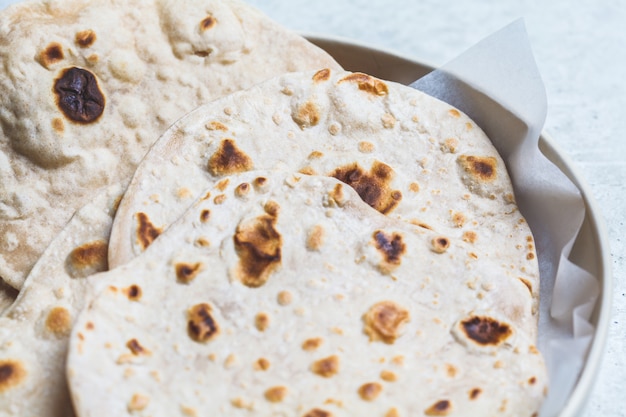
(12, 374)
(201, 326)
(229, 159)
(78, 95)
(146, 231)
(259, 247)
(384, 321)
(373, 187)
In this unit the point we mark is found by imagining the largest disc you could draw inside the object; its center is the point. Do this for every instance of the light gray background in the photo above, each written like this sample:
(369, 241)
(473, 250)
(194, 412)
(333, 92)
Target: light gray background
(580, 48)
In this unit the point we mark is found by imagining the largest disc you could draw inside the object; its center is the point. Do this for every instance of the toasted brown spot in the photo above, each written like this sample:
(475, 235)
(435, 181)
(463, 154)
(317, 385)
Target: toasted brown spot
(272, 208)
(207, 23)
(366, 147)
(414, 187)
(276, 394)
(312, 343)
(373, 187)
(220, 199)
(475, 393)
(398, 360)
(451, 370)
(527, 283)
(78, 95)
(223, 184)
(203, 242)
(481, 168)
(146, 231)
(201, 326)
(183, 193)
(388, 376)
(391, 247)
(205, 215)
(503, 406)
(307, 171)
(458, 219)
(138, 402)
(315, 238)
(284, 298)
(85, 38)
(316, 412)
(306, 115)
(454, 113)
(321, 75)
(231, 361)
(262, 364)
(89, 326)
(450, 145)
(188, 411)
(261, 321)
(393, 412)
(530, 256)
(326, 367)
(440, 408)
(58, 125)
(440, 244)
(88, 258)
(59, 321)
(51, 55)
(12, 374)
(315, 155)
(228, 159)
(470, 236)
(133, 292)
(258, 245)
(388, 120)
(486, 330)
(216, 126)
(136, 348)
(532, 380)
(185, 273)
(367, 83)
(370, 391)
(337, 195)
(241, 403)
(384, 321)
(242, 189)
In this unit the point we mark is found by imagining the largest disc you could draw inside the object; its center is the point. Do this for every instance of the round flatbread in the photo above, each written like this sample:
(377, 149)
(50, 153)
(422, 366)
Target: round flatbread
(87, 86)
(35, 330)
(409, 155)
(286, 295)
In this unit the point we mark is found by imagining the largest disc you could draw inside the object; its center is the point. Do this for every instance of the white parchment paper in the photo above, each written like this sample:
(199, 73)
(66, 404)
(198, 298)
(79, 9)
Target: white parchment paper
(497, 83)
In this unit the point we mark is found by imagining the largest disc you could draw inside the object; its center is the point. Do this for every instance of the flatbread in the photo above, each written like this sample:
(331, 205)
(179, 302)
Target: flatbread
(286, 295)
(409, 155)
(87, 86)
(34, 331)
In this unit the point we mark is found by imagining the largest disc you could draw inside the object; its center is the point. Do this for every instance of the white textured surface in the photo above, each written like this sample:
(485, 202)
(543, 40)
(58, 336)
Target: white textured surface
(580, 48)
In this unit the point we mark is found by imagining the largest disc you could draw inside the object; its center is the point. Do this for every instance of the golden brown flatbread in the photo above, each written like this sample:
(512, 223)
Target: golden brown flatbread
(88, 86)
(287, 295)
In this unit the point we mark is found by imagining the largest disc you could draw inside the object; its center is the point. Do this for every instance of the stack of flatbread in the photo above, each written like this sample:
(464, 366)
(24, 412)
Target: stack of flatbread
(225, 222)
